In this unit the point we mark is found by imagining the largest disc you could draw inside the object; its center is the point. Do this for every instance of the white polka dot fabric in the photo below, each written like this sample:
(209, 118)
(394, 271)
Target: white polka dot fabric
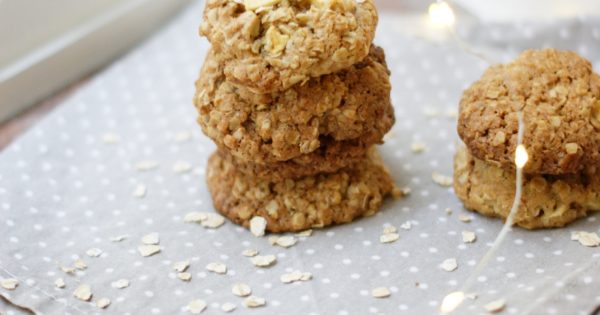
(73, 182)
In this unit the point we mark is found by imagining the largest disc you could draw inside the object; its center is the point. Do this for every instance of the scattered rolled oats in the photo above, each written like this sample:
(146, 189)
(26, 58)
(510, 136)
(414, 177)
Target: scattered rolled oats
(217, 268)
(468, 236)
(103, 303)
(253, 301)
(94, 252)
(60, 283)
(449, 264)
(495, 306)
(389, 237)
(589, 239)
(182, 167)
(250, 252)
(255, 4)
(184, 276)
(146, 165)
(9, 283)
(139, 191)
(295, 276)
(196, 306)
(258, 226)
(417, 147)
(241, 289)
(263, 261)
(120, 284)
(465, 218)
(227, 307)
(80, 264)
(406, 225)
(272, 239)
(195, 217)
(110, 138)
(181, 266)
(442, 180)
(286, 241)
(83, 292)
(119, 238)
(390, 229)
(380, 292)
(151, 239)
(305, 233)
(182, 136)
(149, 250)
(213, 221)
(68, 270)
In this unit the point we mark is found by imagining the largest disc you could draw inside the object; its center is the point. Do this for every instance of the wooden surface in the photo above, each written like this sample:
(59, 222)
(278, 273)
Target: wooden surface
(17, 125)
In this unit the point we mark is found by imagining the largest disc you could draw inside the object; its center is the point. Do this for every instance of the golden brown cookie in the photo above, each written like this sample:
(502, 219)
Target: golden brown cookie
(347, 109)
(270, 45)
(548, 200)
(560, 97)
(295, 205)
(333, 158)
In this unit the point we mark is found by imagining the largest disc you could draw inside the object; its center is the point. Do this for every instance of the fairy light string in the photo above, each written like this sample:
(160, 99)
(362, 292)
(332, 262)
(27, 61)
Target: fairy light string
(440, 13)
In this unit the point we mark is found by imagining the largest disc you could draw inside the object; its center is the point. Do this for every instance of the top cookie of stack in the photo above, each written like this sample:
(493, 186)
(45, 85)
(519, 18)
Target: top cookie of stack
(270, 45)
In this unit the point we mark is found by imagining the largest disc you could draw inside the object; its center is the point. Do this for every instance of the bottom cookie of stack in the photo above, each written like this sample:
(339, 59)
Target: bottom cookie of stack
(303, 203)
(548, 200)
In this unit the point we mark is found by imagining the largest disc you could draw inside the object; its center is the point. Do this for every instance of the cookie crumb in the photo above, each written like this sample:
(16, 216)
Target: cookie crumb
(380, 292)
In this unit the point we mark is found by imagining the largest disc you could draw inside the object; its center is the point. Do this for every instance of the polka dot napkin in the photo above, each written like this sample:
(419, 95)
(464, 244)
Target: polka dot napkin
(98, 202)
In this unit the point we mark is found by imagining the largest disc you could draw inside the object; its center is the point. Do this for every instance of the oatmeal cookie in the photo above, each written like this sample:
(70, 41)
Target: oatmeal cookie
(349, 108)
(548, 200)
(295, 205)
(270, 45)
(560, 98)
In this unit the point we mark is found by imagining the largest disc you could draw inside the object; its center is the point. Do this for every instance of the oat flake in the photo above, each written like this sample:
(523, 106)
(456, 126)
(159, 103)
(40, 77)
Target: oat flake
(196, 306)
(83, 292)
(9, 284)
(263, 261)
(149, 250)
(217, 268)
(241, 289)
(380, 292)
(258, 226)
(253, 301)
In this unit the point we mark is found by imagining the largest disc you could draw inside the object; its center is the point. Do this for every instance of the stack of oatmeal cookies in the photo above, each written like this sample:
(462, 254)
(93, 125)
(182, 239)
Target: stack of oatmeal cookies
(559, 96)
(295, 96)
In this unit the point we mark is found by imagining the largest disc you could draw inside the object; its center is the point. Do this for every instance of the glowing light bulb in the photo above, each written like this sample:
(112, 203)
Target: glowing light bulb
(521, 156)
(452, 301)
(441, 14)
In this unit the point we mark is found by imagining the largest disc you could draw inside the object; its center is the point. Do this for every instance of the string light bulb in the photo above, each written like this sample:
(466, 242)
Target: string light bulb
(441, 14)
(521, 156)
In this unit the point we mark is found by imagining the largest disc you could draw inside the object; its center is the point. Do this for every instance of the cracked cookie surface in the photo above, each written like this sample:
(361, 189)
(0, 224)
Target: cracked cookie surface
(343, 113)
(560, 98)
(270, 45)
(295, 205)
